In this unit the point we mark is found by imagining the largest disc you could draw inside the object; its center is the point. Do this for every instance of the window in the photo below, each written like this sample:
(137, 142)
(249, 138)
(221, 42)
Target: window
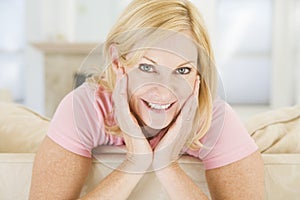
(12, 45)
(243, 49)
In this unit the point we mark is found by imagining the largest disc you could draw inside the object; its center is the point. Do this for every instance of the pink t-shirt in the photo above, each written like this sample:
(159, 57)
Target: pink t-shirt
(78, 126)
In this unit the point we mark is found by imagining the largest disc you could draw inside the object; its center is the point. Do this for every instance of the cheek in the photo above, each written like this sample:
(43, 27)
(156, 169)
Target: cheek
(135, 82)
(183, 88)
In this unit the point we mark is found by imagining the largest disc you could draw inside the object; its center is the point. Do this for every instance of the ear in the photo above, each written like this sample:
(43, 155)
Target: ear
(114, 54)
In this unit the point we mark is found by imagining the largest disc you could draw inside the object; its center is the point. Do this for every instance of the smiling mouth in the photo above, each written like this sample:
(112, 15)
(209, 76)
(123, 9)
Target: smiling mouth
(157, 106)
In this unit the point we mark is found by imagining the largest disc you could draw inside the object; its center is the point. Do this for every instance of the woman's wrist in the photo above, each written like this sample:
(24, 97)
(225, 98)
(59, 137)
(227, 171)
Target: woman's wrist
(136, 163)
(161, 169)
(162, 158)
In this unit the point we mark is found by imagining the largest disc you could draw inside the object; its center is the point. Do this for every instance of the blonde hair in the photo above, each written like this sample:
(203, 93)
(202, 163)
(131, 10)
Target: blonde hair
(173, 15)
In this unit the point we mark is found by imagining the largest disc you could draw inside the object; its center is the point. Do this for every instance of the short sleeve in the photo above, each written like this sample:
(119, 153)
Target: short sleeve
(76, 125)
(226, 141)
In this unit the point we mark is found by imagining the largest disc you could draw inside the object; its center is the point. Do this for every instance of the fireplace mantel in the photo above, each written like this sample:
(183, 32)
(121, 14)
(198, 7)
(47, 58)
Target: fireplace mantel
(61, 62)
(65, 47)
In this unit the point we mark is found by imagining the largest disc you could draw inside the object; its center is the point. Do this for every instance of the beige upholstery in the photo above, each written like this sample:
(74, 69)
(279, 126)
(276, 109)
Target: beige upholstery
(5, 95)
(277, 131)
(21, 131)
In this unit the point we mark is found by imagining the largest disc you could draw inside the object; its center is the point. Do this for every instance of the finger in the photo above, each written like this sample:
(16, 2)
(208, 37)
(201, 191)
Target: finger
(189, 108)
(191, 103)
(125, 119)
(121, 82)
(120, 93)
(120, 96)
(197, 86)
(181, 127)
(120, 73)
(121, 99)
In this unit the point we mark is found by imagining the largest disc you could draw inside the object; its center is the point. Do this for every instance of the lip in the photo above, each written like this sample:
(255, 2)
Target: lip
(158, 102)
(146, 104)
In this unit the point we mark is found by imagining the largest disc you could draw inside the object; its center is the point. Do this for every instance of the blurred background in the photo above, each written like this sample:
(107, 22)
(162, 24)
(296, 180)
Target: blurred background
(256, 42)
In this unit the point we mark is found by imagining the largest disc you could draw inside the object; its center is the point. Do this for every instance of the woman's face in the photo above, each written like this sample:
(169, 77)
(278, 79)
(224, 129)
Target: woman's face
(158, 86)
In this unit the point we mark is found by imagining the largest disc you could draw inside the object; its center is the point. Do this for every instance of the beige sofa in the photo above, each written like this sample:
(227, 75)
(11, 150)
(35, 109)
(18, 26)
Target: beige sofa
(277, 134)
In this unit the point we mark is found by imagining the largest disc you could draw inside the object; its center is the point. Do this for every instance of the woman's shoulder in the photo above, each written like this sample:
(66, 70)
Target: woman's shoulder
(85, 91)
(219, 107)
(227, 140)
(78, 123)
(90, 96)
(87, 105)
(224, 120)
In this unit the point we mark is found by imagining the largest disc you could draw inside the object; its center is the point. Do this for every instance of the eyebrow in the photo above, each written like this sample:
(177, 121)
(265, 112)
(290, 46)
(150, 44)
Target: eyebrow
(188, 62)
(150, 60)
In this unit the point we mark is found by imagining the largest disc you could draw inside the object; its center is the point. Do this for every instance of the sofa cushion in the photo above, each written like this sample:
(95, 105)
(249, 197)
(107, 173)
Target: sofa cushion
(21, 129)
(277, 131)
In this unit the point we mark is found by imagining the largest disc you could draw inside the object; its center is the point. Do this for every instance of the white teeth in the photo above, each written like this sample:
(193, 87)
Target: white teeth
(158, 106)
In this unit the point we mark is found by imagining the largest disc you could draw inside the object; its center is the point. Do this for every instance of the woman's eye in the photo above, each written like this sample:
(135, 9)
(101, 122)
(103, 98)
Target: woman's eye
(183, 70)
(146, 68)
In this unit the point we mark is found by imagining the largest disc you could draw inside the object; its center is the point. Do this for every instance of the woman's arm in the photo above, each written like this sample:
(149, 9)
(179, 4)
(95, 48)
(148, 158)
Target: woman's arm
(178, 184)
(243, 179)
(57, 173)
(60, 174)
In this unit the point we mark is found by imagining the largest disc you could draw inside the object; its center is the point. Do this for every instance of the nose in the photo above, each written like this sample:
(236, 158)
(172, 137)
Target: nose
(165, 79)
(161, 94)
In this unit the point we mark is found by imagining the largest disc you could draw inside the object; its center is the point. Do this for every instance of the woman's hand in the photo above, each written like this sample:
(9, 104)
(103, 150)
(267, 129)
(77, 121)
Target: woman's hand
(170, 146)
(139, 152)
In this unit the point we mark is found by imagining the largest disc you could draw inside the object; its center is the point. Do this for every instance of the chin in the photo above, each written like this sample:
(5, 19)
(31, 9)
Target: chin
(154, 115)
(157, 126)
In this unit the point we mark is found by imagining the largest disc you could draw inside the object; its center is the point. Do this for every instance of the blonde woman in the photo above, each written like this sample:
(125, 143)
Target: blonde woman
(157, 98)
